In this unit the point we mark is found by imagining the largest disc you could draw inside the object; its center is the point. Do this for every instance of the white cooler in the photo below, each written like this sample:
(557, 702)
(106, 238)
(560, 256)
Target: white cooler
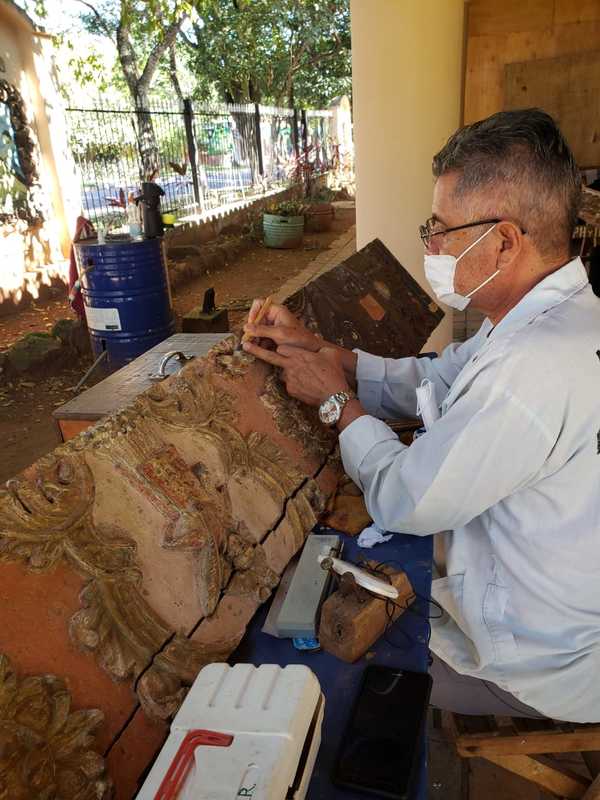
(242, 731)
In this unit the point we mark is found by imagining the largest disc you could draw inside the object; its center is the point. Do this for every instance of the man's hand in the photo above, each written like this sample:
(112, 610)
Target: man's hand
(310, 377)
(280, 326)
(291, 335)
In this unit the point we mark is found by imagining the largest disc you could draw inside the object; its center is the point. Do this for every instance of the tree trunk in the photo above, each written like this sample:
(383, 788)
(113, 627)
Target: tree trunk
(173, 73)
(244, 124)
(146, 138)
(139, 86)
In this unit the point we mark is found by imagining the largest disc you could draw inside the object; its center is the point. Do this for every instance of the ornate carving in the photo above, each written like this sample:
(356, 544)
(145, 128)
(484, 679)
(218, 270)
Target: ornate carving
(226, 359)
(161, 688)
(297, 420)
(45, 748)
(30, 208)
(47, 515)
(253, 575)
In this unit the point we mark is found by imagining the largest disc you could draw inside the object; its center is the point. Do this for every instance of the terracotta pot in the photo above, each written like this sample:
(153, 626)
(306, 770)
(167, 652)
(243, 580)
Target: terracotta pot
(319, 217)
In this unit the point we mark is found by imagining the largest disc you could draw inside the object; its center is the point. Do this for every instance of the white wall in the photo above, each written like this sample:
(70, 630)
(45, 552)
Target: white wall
(407, 66)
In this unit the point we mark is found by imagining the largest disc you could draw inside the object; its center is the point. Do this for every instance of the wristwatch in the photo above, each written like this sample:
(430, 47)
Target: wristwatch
(331, 409)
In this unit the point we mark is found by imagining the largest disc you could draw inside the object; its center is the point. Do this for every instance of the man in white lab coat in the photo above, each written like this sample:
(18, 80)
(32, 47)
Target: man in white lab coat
(511, 469)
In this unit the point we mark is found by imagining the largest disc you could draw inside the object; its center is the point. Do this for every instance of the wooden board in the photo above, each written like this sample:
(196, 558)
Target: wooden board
(491, 17)
(119, 389)
(558, 782)
(534, 742)
(567, 87)
(371, 302)
(505, 33)
(566, 11)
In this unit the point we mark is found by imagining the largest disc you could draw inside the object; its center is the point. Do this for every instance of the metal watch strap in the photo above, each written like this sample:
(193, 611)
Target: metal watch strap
(344, 397)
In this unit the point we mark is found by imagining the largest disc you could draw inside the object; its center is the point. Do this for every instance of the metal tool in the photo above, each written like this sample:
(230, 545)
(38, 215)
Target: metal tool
(361, 576)
(161, 375)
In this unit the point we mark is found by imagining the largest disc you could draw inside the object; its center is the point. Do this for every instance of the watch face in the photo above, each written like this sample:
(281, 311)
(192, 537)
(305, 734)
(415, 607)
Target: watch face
(329, 412)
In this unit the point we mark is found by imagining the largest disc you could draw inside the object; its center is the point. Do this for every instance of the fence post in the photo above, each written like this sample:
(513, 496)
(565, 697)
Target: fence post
(304, 132)
(305, 150)
(191, 146)
(259, 150)
(295, 134)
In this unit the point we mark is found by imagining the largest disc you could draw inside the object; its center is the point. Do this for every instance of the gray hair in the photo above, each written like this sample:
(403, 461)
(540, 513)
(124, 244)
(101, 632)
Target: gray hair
(520, 165)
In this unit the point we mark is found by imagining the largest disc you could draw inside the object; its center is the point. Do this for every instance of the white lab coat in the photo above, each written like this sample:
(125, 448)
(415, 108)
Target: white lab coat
(512, 471)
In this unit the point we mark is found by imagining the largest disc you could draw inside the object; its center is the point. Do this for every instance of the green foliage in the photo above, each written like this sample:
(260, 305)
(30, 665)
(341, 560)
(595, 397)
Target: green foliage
(321, 194)
(286, 52)
(102, 153)
(281, 52)
(287, 208)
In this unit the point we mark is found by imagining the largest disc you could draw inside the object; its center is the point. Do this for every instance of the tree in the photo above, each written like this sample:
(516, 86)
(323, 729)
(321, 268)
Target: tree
(280, 51)
(143, 32)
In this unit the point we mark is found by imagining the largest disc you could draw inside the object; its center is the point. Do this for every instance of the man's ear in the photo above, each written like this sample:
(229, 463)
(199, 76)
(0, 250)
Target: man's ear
(511, 244)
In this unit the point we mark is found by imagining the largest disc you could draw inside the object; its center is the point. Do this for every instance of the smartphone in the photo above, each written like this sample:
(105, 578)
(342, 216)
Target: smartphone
(381, 742)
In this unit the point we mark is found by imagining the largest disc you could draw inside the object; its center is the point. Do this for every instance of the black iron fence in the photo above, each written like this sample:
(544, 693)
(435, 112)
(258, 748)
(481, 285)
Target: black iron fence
(204, 157)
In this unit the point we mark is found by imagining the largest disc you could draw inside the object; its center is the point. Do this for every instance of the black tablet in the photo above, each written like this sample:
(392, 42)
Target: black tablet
(381, 744)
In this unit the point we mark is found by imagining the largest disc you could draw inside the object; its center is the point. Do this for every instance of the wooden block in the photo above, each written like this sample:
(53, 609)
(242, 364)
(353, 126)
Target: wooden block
(351, 623)
(197, 322)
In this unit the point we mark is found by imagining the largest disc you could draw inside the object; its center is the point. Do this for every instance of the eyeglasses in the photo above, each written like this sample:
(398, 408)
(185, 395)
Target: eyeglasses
(428, 230)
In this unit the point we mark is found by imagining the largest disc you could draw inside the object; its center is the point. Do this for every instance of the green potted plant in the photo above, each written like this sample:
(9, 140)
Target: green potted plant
(283, 224)
(319, 212)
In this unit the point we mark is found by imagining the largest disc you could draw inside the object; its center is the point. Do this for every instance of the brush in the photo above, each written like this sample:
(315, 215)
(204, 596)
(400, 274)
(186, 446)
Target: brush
(257, 320)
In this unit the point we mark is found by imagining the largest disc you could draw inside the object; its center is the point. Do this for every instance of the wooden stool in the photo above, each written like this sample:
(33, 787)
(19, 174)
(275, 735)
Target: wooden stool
(511, 742)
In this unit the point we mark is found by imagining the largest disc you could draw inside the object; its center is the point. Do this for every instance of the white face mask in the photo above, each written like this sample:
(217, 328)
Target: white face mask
(440, 271)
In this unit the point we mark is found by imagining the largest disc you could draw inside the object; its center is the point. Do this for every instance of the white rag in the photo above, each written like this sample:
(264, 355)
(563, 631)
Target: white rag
(372, 535)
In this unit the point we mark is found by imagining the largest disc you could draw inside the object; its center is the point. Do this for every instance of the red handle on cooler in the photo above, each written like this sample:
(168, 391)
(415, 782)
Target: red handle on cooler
(181, 764)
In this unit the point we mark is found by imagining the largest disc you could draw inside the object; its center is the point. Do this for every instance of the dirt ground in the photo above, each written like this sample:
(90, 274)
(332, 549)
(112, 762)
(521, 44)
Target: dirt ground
(27, 429)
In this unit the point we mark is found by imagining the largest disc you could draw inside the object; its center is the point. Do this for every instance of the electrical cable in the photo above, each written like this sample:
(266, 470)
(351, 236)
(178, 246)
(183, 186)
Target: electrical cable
(390, 607)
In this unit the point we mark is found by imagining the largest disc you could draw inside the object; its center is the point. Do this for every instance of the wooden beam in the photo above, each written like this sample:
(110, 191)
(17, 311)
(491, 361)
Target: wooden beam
(486, 745)
(593, 793)
(552, 780)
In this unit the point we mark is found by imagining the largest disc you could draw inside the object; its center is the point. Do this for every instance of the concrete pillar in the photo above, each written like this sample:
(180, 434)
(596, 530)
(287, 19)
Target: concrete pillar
(407, 78)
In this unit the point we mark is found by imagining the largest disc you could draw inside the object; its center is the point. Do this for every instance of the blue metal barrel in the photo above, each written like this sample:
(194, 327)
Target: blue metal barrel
(126, 296)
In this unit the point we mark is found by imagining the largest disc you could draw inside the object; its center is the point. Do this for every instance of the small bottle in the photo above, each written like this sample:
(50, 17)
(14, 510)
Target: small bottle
(133, 218)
